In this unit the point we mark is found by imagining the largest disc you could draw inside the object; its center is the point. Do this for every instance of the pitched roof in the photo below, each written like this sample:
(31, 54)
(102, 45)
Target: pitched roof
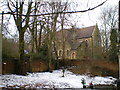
(84, 32)
(79, 33)
(75, 45)
(74, 34)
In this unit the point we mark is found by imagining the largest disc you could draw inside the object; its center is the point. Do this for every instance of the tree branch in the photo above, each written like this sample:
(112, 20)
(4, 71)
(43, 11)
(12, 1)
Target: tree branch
(61, 11)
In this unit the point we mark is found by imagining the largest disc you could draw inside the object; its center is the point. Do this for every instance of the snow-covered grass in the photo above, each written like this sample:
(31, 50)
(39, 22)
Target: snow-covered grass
(51, 80)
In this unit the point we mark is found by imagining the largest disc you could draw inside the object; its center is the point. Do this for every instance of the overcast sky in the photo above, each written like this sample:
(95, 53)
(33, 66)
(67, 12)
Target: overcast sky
(82, 19)
(92, 17)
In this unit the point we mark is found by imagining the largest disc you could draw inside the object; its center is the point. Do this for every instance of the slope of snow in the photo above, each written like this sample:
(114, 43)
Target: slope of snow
(51, 80)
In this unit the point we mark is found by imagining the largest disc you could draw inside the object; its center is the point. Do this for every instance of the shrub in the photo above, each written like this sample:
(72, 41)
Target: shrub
(9, 48)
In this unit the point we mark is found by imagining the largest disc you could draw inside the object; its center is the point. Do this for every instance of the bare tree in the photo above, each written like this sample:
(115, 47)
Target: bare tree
(109, 20)
(22, 19)
(21, 24)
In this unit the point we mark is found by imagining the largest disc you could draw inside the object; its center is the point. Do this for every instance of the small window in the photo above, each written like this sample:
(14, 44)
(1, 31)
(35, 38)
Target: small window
(86, 42)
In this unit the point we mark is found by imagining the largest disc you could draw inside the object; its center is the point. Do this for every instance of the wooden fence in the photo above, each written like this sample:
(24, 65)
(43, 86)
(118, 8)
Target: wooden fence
(9, 66)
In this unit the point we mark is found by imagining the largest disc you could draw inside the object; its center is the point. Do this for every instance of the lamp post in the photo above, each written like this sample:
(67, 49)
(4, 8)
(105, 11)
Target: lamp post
(118, 45)
(118, 82)
(119, 64)
(1, 29)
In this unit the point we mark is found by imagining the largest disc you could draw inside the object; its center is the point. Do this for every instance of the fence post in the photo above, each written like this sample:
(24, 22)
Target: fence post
(4, 65)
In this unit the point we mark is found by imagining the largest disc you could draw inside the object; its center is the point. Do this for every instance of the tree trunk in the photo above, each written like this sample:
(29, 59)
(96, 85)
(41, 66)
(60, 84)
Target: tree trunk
(32, 52)
(21, 62)
(35, 37)
(63, 39)
(49, 52)
(40, 35)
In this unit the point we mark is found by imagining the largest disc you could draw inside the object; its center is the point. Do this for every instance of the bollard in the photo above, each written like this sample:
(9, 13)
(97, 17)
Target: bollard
(63, 72)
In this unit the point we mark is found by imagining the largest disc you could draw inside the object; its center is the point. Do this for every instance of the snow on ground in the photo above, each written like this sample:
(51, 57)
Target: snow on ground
(51, 80)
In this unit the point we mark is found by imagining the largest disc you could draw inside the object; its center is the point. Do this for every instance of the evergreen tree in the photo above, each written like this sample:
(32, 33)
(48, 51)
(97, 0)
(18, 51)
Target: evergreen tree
(113, 47)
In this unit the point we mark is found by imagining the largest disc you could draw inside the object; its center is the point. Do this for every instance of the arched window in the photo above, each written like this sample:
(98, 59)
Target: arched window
(60, 53)
(73, 55)
(86, 43)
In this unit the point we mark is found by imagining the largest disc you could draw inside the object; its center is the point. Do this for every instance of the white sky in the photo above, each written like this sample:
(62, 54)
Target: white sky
(81, 19)
(92, 17)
